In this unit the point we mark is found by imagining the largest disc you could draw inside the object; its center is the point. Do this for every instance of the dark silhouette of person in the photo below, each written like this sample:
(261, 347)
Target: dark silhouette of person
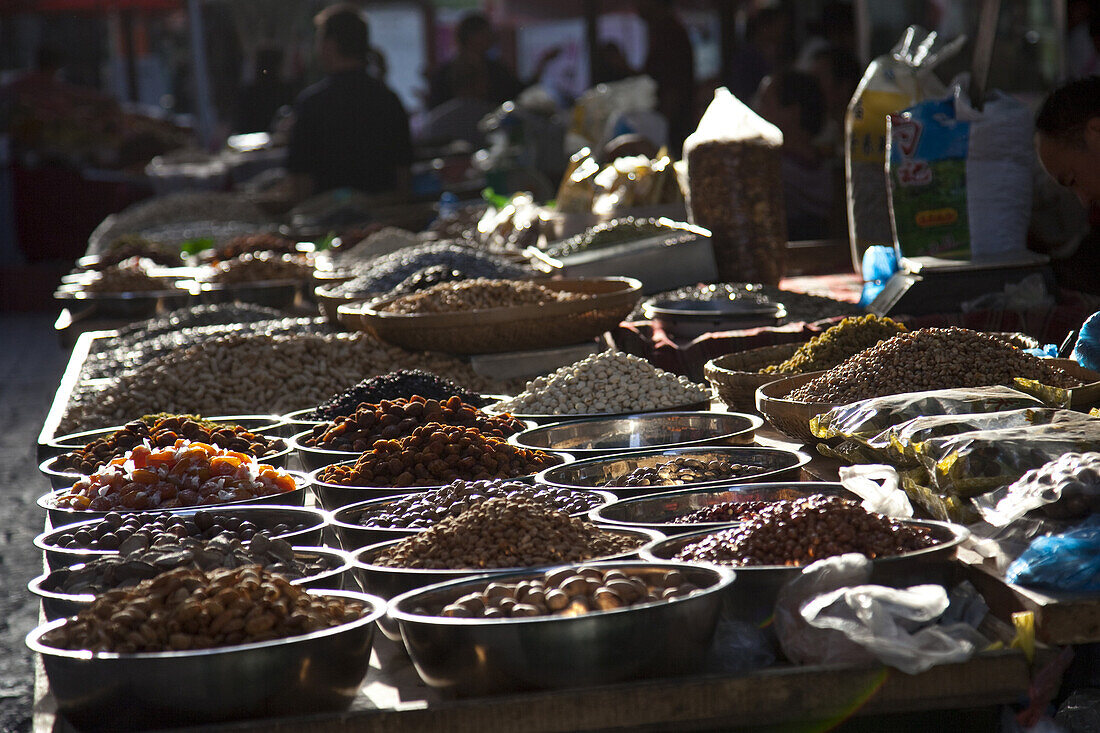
(611, 64)
(262, 98)
(767, 37)
(350, 129)
(670, 62)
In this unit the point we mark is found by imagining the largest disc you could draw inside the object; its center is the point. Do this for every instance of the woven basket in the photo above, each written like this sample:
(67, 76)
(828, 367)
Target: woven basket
(788, 416)
(736, 376)
(518, 328)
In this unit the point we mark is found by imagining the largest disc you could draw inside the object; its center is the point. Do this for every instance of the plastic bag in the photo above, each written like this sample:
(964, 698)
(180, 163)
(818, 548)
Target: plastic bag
(739, 648)
(1080, 713)
(1066, 488)
(735, 190)
(1065, 562)
(946, 506)
(891, 83)
(973, 463)
(1086, 351)
(865, 419)
(878, 486)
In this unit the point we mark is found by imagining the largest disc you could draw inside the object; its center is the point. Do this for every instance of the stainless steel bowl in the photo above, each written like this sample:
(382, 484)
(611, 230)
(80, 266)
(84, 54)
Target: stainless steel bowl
(316, 672)
(353, 536)
(56, 604)
(595, 472)
(482, 656)
(752, 597)
(548, 419)
(656, 511)
(334, 496)
(270, 425)
(264, 517)
(313, 459)
(61, 516)
(297, 421)
(388, 582)
(592, 438)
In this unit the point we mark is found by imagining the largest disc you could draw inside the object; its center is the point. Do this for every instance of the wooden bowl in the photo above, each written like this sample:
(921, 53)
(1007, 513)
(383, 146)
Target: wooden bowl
(790, 417)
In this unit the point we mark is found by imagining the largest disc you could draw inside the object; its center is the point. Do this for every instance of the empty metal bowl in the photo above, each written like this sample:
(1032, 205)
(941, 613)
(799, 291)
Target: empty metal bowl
(335, 496)
(315, 672)
(752, 597)
(656, 511)
(62, 516)
(596, 472)
(56, 604)
(353, 536)
(471, 655)
(264, 517)
(645, 431)
(388, 582)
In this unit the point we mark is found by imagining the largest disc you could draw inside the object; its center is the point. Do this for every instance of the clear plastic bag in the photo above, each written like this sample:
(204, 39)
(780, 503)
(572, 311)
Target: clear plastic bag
(865, 419)
(977, 462)
(1067, 487)
(878, 486)
(1069, 561)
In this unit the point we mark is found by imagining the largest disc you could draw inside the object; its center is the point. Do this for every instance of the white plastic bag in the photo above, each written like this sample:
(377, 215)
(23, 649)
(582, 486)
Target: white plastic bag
(877, 485)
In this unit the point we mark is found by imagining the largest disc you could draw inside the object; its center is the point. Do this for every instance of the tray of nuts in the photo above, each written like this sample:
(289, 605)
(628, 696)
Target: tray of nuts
(104, 674)
(648, 472)
(555, 313)
(562, 627)
(773, 545)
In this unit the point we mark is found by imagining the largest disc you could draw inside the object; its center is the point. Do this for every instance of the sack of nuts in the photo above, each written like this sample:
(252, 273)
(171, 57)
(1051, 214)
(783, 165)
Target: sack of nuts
(735, 190)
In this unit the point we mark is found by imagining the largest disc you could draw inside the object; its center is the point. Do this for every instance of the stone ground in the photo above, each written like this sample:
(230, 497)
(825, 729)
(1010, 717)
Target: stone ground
(31, 364)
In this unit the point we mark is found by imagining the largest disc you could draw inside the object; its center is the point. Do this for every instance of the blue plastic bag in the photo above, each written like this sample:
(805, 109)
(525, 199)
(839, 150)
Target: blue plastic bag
(1068, 562)
(1086, 351)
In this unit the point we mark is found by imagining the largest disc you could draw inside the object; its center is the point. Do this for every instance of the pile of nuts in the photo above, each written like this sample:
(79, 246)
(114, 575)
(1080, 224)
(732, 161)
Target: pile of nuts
(254, 374)
(261, 266)
(608, 234)
(425, 278)
(726, 511)
(167, 553)
(126, 533)
(159, 431)
(382, 242)
(426, 508)
(801, 531)
(401, 383)
(927, 359)
(570, 592)
(392, 419)
(254, 243)
(384, 273)
(191, 609)
(133, 245)
(478, 294)
(433, 455)
(126, 277)
(847, 338)
(505, 533)
(685, 471)
(610, 381)
(184, 474)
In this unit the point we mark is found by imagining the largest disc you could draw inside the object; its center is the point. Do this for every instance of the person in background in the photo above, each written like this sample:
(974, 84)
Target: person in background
(458, 118)
(838, 73)
(266, 94)
(350, 130)
(476, 39)
(670, 62)
(612, 64)
(792, 101)
(767, 38)
(1080, 51)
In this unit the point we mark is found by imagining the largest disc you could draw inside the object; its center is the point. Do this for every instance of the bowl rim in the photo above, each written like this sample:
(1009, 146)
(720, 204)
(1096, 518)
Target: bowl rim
(46, 467)
(755, 422)
(606, 496)
(276, 421)
(656, 306)
(360, 564)
(301, 481)
(377, 610)
(721, 581)
(295, 444)
(959, 535)
(801, 459)
(315, 478)
(41, 539)
(543, 418)
(35, 584)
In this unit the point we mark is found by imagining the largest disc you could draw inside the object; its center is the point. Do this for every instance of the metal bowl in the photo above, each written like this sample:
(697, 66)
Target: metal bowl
(56, 604)
(272, 293)
(656, 511)
(269, 425)
(130, 305)
(60, 516)
(592, 438)
(316, 672)
(700, 405)
(335, 496)
(297, 422)
(262, 516)
(388, 582)
(314, 459)
(353, 536)
(481, 656)
(595, 472)
(687, 319)
(752, 596)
